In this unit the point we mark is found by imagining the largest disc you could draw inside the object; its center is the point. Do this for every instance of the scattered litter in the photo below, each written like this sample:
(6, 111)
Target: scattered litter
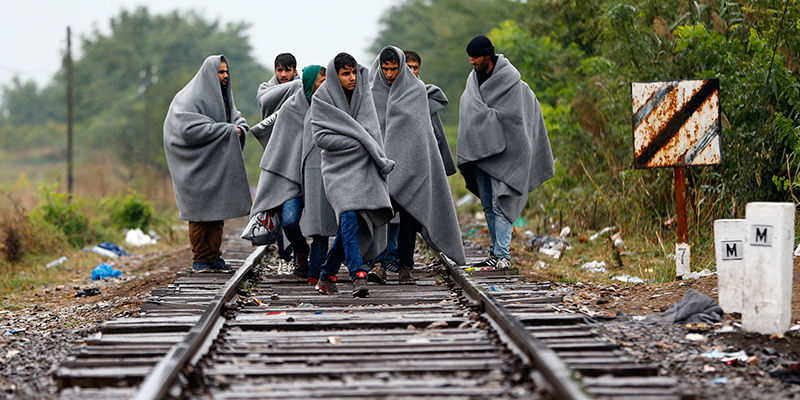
(697, 275)
(725, 329)
(467, 199)
(668, 223)
(726, 357)
(60, 261)
(797, 251)
(418, 340)
(318, 313)
(628, 279)
(87, 292)
(335, 339)
(542, 265)
(107, 249)
(602, 231)
(795, 327)
(277, 313)
(103, 271)
(708, 368)
(11, 354)
(438, 325)
(496, 288)
(595, 266)
(618, 243)
(565, 232)
(551, 252)
(519, 223)
(135, 237)
(15, 331)
(720, 381)
(696, 337)
(548, 245)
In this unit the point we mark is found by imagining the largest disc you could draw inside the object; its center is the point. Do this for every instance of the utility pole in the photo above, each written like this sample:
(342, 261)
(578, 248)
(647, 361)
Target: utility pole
(149, 78)
(68, 62)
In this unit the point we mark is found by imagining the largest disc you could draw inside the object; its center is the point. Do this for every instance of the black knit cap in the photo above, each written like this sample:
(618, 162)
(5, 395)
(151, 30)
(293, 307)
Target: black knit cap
(480, 46)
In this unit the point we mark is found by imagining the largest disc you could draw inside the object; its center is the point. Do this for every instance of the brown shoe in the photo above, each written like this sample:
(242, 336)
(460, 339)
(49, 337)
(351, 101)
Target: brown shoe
(405, 277)
(377, 274)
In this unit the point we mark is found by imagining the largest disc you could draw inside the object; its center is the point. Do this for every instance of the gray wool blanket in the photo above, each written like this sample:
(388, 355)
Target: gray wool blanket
(418, 182)
(437, 101)
(281, 176)
(270, 96)
(502, 132)
(354, 165)
(318, 218)
(204, 149)
(694, 308)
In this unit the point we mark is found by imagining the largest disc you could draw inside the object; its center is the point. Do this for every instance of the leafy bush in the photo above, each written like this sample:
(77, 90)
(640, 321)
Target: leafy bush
(130, 211)
(65, 216)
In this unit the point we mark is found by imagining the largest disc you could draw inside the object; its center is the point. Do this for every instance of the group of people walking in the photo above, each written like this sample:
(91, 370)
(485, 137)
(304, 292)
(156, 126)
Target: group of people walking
(358, 154)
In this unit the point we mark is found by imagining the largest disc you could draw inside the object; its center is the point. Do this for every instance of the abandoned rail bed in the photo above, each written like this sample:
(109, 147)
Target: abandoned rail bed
(262, 333)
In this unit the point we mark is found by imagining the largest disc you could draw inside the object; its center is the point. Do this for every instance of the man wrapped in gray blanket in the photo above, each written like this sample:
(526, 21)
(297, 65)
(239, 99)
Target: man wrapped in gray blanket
(354, 168)
(204, 135)
(418, 185)
(503, 149)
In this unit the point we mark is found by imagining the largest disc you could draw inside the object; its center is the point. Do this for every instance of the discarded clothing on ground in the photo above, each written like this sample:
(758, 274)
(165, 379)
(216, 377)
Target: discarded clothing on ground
(694, 308)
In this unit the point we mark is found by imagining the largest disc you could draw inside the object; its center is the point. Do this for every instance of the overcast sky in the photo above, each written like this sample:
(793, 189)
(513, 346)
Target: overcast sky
(34, 31)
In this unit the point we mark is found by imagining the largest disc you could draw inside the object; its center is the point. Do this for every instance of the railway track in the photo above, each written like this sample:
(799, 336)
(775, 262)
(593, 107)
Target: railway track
(261, 333)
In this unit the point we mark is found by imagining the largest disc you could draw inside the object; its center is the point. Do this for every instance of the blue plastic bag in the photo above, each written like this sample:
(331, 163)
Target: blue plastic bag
(103, 271)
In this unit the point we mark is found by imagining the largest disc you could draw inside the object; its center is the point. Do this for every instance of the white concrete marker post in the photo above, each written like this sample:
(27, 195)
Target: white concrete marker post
(729, 248)
(769, 240)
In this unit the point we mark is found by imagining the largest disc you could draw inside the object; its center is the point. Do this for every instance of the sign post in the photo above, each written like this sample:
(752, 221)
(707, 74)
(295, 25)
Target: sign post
(677, 124)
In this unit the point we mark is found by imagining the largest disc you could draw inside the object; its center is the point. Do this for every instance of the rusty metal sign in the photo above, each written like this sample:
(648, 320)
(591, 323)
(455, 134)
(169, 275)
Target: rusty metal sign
(676, 123)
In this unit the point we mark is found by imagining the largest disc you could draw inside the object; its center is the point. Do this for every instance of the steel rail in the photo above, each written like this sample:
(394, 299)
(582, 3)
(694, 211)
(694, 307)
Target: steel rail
(164, 375)
(562, 382)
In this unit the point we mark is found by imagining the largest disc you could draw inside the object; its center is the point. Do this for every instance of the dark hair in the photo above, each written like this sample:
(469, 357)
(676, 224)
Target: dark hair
(388, 55)
(344, 60)
(412, 55)
(322, 71)
(285, 60)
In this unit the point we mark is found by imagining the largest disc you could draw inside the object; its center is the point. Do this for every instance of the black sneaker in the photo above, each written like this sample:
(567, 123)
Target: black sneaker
(391, 265)
(488, 262)
(360, 285)
(219, 265)
(199, 266)
(300, 265)
(377, 274)
(327, 286)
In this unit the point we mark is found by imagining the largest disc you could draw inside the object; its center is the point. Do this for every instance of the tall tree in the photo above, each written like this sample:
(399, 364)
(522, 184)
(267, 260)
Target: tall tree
(439, 31)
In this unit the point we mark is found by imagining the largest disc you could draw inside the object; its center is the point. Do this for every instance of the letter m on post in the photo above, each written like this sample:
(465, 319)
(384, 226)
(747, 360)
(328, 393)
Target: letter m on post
(761, 235)
(733, 250)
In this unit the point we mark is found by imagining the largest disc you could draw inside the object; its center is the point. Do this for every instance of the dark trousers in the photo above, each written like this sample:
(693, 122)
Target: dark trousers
(206, 240)
(406, 237)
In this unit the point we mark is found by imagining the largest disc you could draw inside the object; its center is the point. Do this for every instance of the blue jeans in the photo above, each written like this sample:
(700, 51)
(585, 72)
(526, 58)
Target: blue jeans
(319, 247)
(499, 225)
(290, 222)
(390, 252)
(345, 246)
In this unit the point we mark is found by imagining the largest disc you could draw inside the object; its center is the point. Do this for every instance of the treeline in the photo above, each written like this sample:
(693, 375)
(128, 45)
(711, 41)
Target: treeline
(579, 56)
(124, 82)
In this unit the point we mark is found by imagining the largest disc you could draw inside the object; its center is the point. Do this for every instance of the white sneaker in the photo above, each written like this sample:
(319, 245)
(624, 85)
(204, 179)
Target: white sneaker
(503, 263)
